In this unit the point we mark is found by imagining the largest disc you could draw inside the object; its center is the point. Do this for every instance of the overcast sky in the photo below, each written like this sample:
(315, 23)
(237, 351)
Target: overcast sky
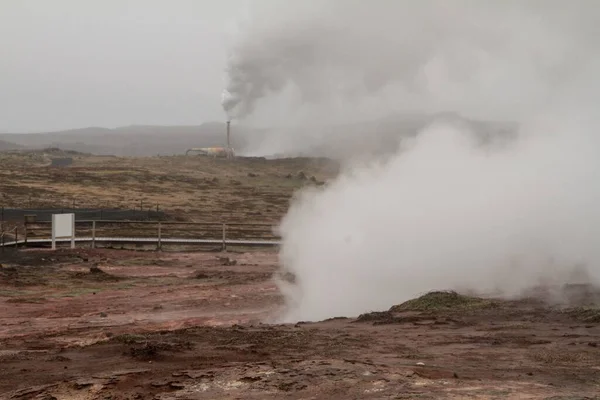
(78, 63)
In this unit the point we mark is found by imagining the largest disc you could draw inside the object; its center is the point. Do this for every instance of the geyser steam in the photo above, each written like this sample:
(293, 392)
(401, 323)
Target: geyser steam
(445, 215)
(442, 213)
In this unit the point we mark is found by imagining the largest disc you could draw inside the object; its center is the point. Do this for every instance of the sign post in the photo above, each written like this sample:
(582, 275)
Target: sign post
(63, 226)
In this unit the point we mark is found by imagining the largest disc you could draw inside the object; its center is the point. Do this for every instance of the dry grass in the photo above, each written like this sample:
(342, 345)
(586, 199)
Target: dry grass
(560, 357)
(586, 314)
(191, 188)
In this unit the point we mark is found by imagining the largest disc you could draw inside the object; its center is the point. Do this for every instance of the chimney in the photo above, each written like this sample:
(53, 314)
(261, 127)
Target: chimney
(228, 139)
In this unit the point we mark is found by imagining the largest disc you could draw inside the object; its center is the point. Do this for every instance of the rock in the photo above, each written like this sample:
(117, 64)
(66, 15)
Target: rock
(122, 373)
(160, 383)
(30, 391)
(227, 261)
(176, 385)
(82, 383)
(250, 379)
(193, 374)
(435, 373)
(45, 396)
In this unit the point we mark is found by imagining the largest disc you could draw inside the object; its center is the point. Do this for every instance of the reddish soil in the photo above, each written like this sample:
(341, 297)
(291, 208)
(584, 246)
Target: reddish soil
(148, 325)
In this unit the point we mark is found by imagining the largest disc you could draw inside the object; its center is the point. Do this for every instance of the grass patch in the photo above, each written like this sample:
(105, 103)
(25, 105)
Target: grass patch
(26, 300)
(97, 275)
(21, 277)
(129, 338)
(590, 315)
(559, 357)
(148, 347)
(444, 300)
(80, 292)
(123, 286)
(12, 293)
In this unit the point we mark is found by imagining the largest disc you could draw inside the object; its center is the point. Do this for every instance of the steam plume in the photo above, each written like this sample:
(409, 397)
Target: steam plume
(442, 213)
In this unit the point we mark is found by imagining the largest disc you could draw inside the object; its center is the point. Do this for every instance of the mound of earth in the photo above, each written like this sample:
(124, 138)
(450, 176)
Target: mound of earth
(424, 308)
(444, 300)
(96, 274)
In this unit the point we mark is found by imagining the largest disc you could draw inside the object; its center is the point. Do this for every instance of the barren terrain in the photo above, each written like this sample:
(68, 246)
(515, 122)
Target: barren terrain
(181, 324)
(191, 188)
(106, 324)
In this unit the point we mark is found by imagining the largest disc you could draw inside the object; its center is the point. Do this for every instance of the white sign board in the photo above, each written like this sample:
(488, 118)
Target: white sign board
(63, 226)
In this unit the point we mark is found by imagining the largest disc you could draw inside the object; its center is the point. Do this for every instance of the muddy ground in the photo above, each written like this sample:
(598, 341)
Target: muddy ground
(108, 324)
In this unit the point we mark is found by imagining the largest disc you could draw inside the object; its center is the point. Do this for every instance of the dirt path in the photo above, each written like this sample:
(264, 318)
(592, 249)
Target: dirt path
(187, 326)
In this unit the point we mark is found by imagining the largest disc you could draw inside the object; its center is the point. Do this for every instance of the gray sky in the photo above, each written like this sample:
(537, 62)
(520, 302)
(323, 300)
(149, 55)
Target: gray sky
(77, 63)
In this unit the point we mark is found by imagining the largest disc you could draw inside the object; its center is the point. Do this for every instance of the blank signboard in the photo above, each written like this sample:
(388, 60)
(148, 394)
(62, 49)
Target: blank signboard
(62, 225)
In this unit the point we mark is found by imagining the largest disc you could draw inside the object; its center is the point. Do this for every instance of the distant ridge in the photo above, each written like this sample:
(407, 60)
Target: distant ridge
(134, 140)
(340, 141)
(4, 146)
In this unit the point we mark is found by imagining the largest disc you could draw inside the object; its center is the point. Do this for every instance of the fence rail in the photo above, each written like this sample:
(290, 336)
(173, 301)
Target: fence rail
(45, 214)
(148, 232)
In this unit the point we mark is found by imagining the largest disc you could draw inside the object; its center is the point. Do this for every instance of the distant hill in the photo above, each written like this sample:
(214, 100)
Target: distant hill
(135, 140)
(4, 146)
(339, 141)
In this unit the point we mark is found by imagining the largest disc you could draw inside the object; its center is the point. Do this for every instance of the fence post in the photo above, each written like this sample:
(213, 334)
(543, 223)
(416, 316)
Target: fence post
(93, 234)
(53, 233)
(224, 246)
(73, 232)
(159, 245)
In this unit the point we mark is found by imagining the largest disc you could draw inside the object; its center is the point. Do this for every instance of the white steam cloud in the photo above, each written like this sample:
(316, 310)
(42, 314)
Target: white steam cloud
(442, 213)
(445, 215)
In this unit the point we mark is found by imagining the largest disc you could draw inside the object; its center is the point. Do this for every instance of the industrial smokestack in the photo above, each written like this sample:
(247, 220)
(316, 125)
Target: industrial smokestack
(229, 151)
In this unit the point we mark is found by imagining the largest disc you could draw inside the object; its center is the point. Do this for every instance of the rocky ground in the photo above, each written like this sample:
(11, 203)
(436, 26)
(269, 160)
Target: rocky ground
(106, 324)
